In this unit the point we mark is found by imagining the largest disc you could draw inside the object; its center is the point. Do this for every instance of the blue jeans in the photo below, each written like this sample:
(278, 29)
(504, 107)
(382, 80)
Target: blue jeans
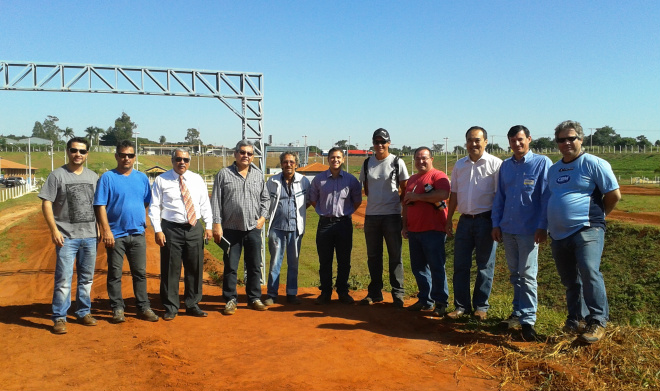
(278, 243)
(522, 258)
(377, 228)
(135, 249)
(577, 258)
(427, 261)
(473, 235)
(83, 253)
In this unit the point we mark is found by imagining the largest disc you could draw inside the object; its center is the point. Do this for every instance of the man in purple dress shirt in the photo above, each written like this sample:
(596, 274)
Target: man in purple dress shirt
(335, 194)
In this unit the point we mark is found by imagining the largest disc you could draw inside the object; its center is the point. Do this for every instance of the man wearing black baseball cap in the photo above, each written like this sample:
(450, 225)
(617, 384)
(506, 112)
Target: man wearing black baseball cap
(382, 175)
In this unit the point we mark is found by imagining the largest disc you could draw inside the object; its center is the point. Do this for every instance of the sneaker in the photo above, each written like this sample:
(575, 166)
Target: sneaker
(571, 327)
(370, 300)
(594, 333)
(257, 305)
(324, 298)
(147, 315)
(528, 333)
(293, 299)
(230, 307)
(60, 326)
(118, 316)
(419, 306)
(346, 298)
(510, 323)
(269, 301)
(397, 303)
(88, 320)
(481, 315)
(439, 311)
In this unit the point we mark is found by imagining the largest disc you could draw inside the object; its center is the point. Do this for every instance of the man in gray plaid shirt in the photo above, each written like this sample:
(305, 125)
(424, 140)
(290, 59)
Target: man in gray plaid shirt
(240, 205)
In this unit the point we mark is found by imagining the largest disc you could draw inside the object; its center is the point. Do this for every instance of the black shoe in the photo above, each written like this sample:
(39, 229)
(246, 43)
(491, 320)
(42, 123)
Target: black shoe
(346, 298)
(169, 316)
(398, 303)
(293, 299)
(528, 333)
(196, 312)
(439, 311)
(324, 298)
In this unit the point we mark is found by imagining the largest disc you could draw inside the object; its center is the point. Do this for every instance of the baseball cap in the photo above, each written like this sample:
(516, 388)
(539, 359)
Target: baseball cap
(380, 132)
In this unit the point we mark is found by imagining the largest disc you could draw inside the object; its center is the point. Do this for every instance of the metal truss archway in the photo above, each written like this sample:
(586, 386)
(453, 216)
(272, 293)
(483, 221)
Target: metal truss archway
(241, 92)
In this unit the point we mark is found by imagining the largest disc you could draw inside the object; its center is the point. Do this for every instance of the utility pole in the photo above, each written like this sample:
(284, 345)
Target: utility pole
(446, 153)
(137, 163)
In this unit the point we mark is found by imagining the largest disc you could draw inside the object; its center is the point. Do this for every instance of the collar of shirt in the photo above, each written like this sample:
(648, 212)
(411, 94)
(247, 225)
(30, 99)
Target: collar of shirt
(341, 173)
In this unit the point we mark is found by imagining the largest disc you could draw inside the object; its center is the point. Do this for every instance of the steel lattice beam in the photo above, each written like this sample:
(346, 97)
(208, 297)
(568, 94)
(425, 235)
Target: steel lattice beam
(241, 92)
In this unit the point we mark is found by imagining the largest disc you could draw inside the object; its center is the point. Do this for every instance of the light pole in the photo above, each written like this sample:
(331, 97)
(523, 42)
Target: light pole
(446, 153)
(29, 163)
(51, 156)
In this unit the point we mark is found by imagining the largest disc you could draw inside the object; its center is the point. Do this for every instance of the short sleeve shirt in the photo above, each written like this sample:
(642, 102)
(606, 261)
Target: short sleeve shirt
(124, 197)
(423, 216)
(383, 196)
(72, 196)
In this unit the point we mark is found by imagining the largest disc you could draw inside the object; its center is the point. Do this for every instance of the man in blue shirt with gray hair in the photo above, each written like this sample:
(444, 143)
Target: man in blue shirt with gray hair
(520, 221)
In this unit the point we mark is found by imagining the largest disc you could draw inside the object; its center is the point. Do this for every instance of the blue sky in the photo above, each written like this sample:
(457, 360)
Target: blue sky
(424, 70)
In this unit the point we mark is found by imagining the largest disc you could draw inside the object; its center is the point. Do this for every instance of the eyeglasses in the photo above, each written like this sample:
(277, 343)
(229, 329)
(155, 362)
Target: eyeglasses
(561, 140)
(246, 153)
(74, 150)
(126, 155)
(380, 142)
(178, 159)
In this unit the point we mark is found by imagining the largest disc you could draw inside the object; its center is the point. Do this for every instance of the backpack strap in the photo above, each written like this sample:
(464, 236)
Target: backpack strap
(366, 177)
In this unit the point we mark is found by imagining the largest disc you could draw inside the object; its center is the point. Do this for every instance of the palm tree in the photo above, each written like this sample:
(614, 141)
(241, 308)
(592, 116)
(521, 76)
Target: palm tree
(90, 134)
(162, 140)
(68, 133)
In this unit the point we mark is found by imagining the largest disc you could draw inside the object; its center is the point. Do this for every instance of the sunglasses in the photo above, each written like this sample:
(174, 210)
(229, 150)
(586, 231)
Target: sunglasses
(380, 142)
(126, 155)
(561, 140)
(74, 150)
(178, 159)
(246, 153)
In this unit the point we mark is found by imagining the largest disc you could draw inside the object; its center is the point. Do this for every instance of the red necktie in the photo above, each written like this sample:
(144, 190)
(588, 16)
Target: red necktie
(187, 201)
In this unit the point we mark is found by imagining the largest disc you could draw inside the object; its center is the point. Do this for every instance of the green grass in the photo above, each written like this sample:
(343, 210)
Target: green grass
(638, 204)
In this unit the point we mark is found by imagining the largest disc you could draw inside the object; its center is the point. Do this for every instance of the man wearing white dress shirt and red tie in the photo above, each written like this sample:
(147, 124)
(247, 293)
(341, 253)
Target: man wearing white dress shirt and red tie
(179, 198)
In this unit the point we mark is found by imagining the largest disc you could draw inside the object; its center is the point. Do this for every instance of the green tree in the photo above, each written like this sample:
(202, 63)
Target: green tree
(93, 133)
(492, 147)
(438, 148)
(543, 143)
(192, 136)
(123, 130)
(51, 130)
(604, 136)
(68, 133)
(38, 130)
(657, 143)
(162, 140)
(342, 144)
(458, 149)
(625, 142)
(643, 142)
(406, 150)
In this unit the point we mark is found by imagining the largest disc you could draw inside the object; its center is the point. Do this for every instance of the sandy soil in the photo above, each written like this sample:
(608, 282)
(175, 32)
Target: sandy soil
(307, 347)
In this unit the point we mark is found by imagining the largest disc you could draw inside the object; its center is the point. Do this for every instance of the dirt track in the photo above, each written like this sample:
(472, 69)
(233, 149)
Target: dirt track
(307, 347)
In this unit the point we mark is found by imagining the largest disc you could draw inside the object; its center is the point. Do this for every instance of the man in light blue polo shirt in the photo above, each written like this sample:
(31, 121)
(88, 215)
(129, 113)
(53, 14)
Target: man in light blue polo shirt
(121, 197)
(520, 221)
(583, 191)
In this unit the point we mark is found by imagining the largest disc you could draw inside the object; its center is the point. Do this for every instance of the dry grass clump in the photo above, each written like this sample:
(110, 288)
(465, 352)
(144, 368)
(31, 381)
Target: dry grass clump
(627, 358)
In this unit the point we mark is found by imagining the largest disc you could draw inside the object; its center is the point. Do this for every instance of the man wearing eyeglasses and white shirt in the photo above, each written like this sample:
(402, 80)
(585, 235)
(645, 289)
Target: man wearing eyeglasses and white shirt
(67, 197)
(240, 205)
(179, 198)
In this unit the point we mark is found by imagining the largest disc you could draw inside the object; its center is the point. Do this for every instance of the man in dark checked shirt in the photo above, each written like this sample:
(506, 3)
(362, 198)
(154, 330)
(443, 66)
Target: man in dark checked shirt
(240, 205)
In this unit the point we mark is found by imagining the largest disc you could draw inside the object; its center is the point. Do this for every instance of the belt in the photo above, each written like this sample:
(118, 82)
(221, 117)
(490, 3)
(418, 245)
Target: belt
(333, 219)
(182, 225)
(485, 215)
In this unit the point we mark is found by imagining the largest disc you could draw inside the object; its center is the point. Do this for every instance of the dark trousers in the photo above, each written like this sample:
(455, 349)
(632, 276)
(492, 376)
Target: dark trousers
(135, 248)
(334, 236)
(251, 242)
(377, 228)
(184, 243)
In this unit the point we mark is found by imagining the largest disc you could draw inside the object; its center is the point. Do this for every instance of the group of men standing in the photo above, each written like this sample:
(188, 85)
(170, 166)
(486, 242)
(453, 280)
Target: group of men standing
(515, 202)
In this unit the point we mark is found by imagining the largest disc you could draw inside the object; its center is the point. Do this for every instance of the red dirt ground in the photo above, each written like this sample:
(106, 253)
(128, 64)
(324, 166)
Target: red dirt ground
(306, 347)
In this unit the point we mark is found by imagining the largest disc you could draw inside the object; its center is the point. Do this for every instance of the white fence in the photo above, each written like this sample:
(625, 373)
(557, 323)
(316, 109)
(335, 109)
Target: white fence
(14, 192)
